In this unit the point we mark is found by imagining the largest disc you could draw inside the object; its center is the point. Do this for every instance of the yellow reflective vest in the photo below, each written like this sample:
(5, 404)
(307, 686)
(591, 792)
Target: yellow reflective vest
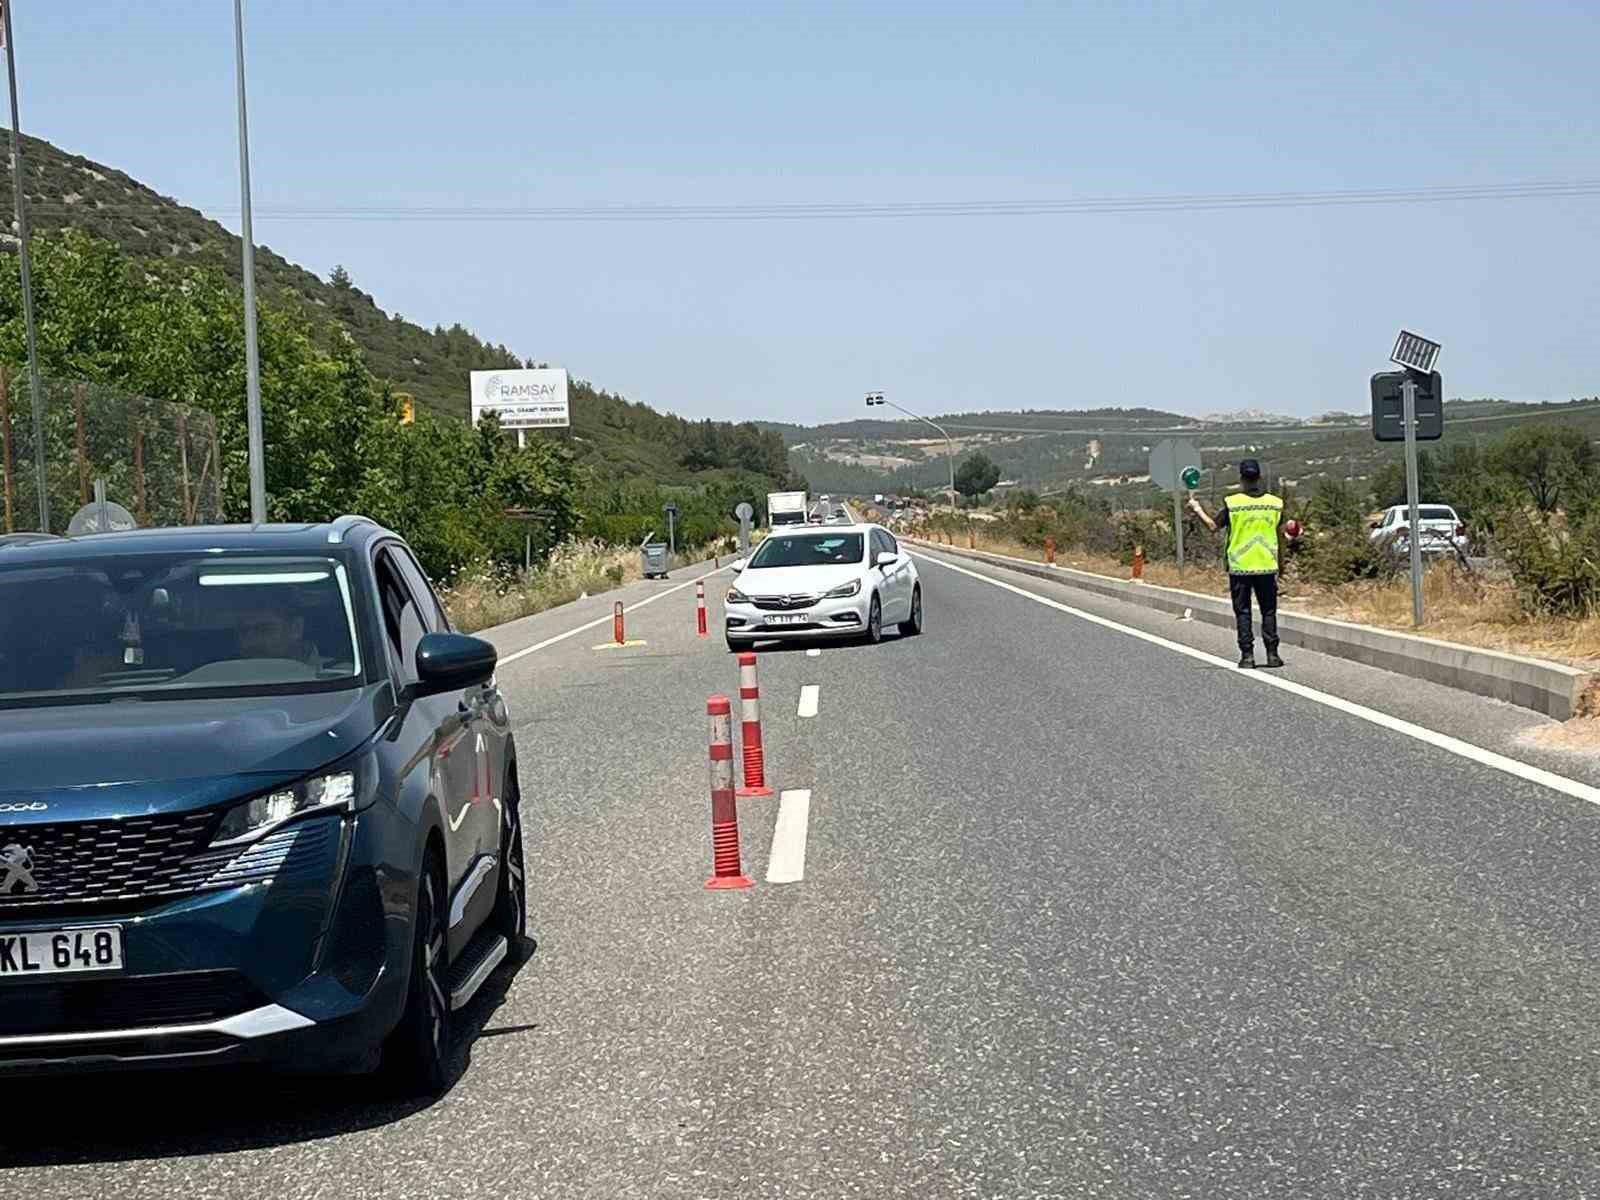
(1253, 533)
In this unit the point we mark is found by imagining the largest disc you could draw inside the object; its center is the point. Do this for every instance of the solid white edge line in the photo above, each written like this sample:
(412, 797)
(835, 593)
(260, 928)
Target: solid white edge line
(787, 861)
(1441, 741)
(561, 637)
(810, 694)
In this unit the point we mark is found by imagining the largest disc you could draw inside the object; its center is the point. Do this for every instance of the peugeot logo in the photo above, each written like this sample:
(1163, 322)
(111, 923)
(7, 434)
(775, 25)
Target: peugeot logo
(16, 869)
(34, 806)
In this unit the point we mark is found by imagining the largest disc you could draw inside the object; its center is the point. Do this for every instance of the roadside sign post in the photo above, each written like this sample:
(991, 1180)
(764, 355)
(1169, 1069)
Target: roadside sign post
(672, 528)
(1171, 469)
(1417, 355)
(744, 512)
(1409, 392)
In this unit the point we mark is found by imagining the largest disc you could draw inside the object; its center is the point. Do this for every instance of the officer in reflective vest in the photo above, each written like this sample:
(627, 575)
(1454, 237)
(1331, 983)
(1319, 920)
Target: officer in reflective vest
(1252, 516)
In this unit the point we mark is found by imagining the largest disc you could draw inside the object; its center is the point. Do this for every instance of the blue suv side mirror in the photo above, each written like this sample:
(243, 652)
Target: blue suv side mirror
(451, 662)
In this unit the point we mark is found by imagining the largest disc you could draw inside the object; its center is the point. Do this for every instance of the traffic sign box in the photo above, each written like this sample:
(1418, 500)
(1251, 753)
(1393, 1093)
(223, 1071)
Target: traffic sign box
(1388, 406)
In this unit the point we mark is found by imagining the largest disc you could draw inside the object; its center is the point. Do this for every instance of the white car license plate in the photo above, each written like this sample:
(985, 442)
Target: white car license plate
(60, 952)
(789, 619)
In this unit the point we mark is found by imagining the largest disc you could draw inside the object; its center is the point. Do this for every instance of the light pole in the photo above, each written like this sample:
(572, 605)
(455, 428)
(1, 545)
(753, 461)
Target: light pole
(252, 358)
(35, 391)
(876, 398)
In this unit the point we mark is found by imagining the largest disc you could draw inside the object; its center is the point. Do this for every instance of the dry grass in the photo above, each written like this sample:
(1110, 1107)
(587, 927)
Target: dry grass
(1473, 609)
(488, 596)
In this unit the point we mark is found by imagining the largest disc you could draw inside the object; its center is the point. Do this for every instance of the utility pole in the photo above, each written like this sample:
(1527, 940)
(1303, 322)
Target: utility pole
(35, 391)
(252, 359)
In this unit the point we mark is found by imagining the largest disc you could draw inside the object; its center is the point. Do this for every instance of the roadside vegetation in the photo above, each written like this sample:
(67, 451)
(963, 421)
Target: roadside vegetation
(338, 441)
(1530, 500)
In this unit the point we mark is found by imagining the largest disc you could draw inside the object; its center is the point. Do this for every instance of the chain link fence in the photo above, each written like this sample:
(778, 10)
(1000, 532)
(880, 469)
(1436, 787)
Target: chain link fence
(160, 461)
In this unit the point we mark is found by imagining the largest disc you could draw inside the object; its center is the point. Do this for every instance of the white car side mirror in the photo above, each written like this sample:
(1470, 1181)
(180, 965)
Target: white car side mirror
(887, 558)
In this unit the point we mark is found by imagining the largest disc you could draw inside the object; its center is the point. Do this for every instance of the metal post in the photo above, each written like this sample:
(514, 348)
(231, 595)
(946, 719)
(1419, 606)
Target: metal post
(35, 391)
(672, 535)
(102, 514)
(1408, 391)
(252, 361)
(1177, 526)
(5, 447)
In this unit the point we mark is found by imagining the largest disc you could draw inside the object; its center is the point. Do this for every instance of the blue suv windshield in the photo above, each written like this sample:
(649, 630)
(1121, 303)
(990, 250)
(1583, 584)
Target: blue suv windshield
(166, 624)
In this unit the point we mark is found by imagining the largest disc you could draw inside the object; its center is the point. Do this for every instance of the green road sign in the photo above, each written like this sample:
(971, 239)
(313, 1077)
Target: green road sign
(1191, 477)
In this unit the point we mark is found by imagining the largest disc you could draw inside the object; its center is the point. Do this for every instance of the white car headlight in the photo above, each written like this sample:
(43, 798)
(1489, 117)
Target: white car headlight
(336, 790)
(735, 596)
(844, 590)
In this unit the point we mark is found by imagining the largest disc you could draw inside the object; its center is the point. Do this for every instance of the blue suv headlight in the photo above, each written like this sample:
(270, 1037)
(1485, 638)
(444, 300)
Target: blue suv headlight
(344, 790)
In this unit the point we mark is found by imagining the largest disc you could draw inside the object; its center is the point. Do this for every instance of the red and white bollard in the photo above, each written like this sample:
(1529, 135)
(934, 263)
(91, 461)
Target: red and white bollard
(700, 609)
(616, 624)
(725, 867)
(755, 761)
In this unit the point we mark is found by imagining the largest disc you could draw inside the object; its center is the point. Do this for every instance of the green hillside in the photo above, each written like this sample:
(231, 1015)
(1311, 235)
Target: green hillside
(1109, 449)
(616, 438)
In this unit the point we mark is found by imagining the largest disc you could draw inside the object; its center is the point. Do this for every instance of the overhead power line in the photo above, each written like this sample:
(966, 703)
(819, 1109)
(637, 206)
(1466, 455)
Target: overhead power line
(906, 210)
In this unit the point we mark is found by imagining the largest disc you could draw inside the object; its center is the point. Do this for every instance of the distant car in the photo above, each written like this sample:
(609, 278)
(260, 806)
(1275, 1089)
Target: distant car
(845, 581)
(1442, 531)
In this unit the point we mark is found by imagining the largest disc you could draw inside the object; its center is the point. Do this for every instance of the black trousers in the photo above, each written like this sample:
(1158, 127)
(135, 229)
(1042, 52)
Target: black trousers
(1265, 590)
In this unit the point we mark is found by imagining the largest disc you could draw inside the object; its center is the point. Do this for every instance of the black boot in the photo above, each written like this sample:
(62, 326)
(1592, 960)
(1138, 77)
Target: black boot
(1272, 658)
(1247, 661)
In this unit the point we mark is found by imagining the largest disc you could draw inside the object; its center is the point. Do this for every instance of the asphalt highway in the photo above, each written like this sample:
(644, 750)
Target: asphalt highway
(1078, 915)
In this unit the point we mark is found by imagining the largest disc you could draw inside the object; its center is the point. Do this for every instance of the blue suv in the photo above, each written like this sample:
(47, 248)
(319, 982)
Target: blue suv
(258, 803)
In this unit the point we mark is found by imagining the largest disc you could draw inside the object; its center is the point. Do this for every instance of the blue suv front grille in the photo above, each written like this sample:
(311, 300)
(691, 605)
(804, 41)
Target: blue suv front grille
(100, 863)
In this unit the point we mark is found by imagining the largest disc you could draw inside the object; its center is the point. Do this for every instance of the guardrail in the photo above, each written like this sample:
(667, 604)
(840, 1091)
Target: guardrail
(1546, 687)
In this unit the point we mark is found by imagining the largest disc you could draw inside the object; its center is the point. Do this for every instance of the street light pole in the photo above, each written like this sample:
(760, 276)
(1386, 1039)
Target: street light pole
(252, 359)
(36, 392)
(875, 398)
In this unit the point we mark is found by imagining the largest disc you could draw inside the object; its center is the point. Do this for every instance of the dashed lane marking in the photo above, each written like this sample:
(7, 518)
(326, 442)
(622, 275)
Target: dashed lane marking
(787, 862)
(809, 696)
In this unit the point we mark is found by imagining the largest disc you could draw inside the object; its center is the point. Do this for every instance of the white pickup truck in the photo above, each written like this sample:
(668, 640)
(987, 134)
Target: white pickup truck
(1442, 530)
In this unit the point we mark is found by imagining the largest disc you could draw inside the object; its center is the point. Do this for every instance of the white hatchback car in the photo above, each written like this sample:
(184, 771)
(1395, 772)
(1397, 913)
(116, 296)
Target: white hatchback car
(837, 581)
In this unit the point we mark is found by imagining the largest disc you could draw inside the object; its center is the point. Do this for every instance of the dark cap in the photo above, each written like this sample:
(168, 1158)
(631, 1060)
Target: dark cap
(1249, 469)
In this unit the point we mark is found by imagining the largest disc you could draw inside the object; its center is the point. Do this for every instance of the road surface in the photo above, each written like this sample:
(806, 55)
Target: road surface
(1077, 914)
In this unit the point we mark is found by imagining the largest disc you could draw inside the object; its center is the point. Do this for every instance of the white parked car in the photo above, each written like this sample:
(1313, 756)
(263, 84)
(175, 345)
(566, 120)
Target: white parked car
(839, 581)
(1443, 532)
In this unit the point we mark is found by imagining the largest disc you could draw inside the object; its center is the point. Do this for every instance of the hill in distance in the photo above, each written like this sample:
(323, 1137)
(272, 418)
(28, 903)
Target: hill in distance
(617, 438)
(1109, 448)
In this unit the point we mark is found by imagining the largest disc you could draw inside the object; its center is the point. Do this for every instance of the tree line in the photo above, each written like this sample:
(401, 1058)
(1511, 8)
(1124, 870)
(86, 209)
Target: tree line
(336, 439)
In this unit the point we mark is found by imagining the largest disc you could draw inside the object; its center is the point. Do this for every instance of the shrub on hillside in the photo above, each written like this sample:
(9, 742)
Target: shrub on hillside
(1556, 568)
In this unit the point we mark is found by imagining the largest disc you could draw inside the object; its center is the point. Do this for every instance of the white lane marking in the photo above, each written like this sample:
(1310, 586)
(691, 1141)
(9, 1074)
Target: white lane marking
(1440, 741)
(787, 862)
(809, 695)
(561, 637)
(813, 653)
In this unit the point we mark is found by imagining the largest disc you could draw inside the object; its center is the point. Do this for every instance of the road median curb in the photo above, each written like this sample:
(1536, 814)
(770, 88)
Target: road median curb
(1546, 687)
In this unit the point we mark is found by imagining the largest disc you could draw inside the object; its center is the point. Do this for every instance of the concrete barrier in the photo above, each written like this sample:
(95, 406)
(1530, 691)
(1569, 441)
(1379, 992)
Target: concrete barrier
(1546, 687)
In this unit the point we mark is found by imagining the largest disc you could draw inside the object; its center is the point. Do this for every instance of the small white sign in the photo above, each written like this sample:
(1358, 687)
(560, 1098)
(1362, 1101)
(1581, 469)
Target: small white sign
(533, 399)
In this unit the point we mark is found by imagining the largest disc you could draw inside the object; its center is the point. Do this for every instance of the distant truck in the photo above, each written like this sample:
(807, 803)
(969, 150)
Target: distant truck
(786, 508)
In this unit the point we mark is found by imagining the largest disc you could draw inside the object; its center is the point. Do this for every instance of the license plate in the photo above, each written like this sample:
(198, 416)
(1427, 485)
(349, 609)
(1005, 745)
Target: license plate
(790, 619)
(60, 952)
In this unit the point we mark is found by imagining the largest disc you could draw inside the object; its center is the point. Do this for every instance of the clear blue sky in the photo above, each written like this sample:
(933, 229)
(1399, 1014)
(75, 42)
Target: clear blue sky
(357, 103)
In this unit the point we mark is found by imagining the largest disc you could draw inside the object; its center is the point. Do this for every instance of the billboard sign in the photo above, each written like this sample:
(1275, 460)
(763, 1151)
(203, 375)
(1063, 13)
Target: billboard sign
(533, 399)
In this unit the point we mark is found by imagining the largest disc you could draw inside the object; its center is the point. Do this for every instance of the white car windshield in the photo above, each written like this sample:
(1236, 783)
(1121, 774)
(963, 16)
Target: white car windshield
(813, 550)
